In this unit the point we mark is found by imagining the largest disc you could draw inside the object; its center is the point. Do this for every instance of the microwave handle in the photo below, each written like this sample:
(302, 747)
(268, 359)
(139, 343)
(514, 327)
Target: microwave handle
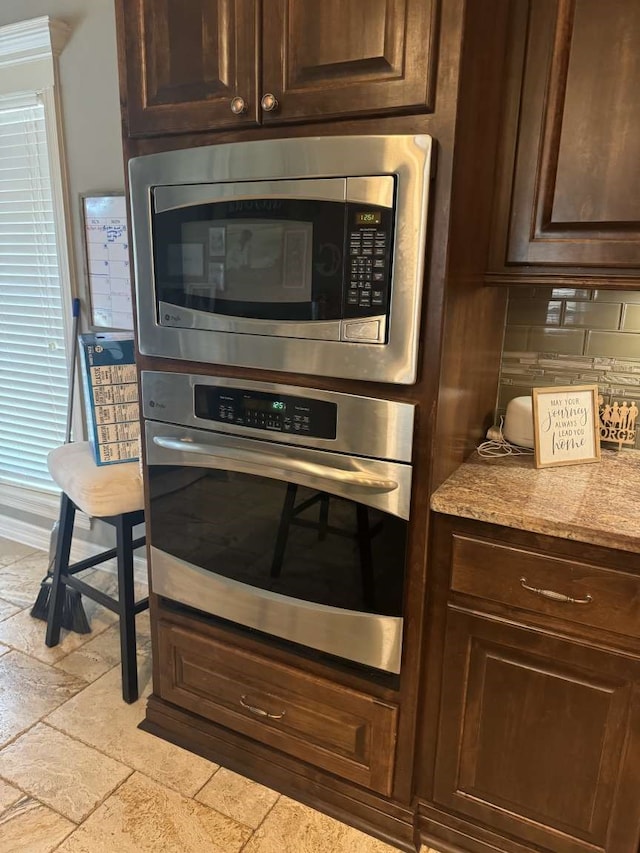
(264, 458)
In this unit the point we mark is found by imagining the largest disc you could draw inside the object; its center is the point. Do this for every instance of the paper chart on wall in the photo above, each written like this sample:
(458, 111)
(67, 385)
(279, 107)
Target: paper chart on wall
(107, 248)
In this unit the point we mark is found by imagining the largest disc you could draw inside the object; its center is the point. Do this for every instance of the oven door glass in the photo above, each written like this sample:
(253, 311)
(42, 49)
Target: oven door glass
(296, 542)
(300, 542)
(263, 257)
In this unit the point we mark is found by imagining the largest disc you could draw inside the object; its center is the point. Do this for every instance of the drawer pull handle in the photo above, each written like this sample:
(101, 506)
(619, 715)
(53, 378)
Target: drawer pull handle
(260, 712)
(554, 596)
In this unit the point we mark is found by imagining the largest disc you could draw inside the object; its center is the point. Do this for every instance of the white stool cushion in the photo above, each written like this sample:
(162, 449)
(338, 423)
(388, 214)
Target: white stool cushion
(98, 490)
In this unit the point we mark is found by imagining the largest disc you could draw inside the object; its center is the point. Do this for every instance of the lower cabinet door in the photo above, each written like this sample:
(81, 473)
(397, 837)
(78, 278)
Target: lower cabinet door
(345, 731)
(539, 738)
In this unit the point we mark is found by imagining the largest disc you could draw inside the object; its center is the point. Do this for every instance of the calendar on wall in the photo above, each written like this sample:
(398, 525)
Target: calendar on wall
(106, 238)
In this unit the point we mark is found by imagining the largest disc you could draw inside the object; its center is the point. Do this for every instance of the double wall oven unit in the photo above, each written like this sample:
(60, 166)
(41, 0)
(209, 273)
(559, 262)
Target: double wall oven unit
(299, 255)
(281, 509)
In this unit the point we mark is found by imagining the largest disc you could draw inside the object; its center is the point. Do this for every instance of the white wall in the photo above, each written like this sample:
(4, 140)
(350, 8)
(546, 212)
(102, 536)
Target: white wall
(90, 101)
(91, 127)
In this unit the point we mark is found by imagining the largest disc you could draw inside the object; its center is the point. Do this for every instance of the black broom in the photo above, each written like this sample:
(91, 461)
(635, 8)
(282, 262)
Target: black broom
(73, 616)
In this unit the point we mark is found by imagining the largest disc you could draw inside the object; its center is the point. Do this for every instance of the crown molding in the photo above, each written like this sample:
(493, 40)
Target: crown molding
(26, 41)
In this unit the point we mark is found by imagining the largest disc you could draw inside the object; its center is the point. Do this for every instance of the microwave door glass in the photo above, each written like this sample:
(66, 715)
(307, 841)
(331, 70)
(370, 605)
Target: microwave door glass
(264, 259)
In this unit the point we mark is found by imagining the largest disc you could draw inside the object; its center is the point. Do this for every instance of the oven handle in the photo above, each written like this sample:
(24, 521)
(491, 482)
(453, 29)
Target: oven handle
(335, 475)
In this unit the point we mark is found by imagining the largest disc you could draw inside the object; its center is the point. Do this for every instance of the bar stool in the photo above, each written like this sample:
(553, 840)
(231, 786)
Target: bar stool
(113, 494)
(364, 535)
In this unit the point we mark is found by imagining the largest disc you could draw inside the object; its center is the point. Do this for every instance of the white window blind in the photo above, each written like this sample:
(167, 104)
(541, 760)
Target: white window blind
(33, 369)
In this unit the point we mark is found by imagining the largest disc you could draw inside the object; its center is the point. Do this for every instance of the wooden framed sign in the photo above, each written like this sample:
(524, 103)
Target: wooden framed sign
(566, 430)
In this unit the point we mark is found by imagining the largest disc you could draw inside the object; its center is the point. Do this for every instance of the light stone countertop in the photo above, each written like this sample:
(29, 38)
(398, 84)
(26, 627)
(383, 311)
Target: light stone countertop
(598, 502)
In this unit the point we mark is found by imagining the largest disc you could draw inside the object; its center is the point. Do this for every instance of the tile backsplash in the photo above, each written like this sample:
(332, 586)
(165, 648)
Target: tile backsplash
(570, 336)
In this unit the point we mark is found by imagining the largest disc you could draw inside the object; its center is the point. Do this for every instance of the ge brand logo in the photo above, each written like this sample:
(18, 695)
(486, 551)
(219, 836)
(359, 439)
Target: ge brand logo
(99, 348)
(153, 405)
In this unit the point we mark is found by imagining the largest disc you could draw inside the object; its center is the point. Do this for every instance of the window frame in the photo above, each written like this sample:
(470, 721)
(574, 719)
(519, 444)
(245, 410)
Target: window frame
(29, 52)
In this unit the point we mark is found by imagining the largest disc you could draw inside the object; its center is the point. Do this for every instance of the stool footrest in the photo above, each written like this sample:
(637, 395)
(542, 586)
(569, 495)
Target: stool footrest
(102, 557)
(101, 597)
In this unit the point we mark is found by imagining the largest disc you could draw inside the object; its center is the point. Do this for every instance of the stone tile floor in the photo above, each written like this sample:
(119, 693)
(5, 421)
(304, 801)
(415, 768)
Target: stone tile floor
(78, 776)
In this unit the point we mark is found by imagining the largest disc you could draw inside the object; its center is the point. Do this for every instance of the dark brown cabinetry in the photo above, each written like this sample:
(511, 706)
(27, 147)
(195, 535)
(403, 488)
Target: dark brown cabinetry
(570, 185)
(186, 60)
(538, 736)
(347, 742)
(207, 64)
(344, 731)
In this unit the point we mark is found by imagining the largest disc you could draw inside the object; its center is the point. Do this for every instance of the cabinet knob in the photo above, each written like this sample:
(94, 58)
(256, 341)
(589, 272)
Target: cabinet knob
(238, 105)
(269, 102)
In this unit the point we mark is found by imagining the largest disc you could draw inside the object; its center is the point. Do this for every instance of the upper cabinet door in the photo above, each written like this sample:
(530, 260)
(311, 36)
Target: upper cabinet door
(574, 127)
(346, 58)
(186, 61)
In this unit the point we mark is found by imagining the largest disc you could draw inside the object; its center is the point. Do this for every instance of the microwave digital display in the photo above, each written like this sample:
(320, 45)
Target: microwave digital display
(368, 217)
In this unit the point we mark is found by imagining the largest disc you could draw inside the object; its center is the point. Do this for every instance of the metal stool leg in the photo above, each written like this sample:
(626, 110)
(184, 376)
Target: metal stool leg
(58, 590)
(126, 600)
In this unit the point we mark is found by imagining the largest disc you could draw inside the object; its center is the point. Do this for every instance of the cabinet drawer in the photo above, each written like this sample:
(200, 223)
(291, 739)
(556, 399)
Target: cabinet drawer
(598, 597)
(344, 731)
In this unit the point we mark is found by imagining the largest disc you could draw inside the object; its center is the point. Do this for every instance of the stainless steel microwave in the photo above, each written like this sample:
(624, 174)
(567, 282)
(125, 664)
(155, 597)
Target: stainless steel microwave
(300, 255)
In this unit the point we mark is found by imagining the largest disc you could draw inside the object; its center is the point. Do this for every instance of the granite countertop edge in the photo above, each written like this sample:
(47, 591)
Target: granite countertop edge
(597, 504)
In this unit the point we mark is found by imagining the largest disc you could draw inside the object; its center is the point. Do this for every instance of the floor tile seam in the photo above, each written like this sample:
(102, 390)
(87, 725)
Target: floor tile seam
(111, 793)
(91, 636)
(200, 803)
(204, 784)
(36, 799)
(103, 798)
(4, 600)
(52, 666)
(268, 812)
(20, 605)
(79, 740)
(73, 828)
(83, 743)
(10, 805)
(15, 737)
(56, 665)
(94, 632)
(43, 721)
(21, 557)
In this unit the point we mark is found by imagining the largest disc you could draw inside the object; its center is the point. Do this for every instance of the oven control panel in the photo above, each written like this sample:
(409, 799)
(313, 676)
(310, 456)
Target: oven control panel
(267, 411)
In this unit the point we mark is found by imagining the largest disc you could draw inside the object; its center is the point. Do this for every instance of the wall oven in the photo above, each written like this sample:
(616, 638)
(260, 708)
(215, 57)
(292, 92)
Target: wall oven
(290, 254)
(282, 509)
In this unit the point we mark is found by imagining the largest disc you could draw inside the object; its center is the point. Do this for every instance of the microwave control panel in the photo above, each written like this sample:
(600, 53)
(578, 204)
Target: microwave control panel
(368, 268)
(266, 411)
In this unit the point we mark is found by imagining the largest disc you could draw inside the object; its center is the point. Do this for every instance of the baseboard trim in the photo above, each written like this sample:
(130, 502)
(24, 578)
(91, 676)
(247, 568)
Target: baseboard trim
(38, 536)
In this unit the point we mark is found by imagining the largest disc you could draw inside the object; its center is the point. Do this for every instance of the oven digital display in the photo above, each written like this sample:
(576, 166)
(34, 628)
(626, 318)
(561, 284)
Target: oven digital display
(252, 404)
(261, 410)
